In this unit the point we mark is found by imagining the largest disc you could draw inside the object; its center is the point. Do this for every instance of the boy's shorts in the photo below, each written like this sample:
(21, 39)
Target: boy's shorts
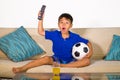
(55, 59)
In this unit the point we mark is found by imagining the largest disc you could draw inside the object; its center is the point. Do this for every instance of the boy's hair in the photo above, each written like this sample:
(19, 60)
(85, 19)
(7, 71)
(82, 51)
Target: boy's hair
(67, 16)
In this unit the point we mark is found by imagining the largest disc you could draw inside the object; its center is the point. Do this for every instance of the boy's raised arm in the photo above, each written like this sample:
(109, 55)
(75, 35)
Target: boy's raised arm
(41, 30)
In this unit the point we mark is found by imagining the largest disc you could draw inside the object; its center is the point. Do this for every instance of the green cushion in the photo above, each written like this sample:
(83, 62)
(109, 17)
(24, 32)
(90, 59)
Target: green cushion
(114, 52)
(19, 45)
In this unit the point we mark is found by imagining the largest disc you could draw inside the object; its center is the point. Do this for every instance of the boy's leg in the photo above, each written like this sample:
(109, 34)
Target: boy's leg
(47, 60)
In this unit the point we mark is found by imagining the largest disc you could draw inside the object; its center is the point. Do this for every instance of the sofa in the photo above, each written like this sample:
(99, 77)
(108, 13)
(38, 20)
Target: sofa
(101, 39)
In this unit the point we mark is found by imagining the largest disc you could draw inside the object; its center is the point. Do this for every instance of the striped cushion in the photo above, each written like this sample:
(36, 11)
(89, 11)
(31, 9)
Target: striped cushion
(114, 52)
(19, 45)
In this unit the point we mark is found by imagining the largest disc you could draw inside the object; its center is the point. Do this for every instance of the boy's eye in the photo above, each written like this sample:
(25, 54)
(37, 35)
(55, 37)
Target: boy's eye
(67, 22)
(61, 22)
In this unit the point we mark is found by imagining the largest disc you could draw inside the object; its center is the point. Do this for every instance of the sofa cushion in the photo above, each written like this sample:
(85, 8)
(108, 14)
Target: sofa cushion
(114, 52)
(19, 45)
(97, 66)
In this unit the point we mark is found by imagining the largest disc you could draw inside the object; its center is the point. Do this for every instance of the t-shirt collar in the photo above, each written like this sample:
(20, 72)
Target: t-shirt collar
(66, 38)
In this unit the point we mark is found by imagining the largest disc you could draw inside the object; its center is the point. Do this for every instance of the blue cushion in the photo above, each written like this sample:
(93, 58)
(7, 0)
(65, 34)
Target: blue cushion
(19, 45)
(114, 52)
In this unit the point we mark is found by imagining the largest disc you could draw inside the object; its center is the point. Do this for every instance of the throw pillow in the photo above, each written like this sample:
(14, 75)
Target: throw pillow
(19, 45)
(114, 52)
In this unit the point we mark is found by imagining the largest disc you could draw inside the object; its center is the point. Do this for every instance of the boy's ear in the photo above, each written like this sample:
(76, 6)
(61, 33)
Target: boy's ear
(71, 25)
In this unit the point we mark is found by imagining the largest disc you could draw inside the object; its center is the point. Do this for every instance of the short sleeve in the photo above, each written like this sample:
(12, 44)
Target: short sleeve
(49, 34)
(81, 39)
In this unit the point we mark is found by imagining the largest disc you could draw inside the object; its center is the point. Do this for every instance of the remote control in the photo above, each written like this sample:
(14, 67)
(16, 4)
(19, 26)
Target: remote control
(42, 12)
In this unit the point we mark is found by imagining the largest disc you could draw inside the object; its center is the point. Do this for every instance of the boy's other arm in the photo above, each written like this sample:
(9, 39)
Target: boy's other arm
(91, 50)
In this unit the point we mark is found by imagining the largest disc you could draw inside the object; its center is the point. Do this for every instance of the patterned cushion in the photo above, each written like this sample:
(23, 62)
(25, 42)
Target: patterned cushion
(19, 45)
(114, 52)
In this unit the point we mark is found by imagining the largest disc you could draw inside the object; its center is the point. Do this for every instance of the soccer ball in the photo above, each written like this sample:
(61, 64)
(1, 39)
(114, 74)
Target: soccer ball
(80, 50)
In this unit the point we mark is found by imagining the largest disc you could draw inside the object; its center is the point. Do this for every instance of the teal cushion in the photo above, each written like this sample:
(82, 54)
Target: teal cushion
(114, 52)
(19, 45)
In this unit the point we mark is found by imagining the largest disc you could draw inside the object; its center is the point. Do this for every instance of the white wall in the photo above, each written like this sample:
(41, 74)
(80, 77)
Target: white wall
(86, 13)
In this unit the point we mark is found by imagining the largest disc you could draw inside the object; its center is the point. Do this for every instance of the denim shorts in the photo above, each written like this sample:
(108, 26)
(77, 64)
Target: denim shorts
(55, 59)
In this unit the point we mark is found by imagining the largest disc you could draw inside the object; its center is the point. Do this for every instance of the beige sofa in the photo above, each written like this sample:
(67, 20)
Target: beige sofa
(100, 38)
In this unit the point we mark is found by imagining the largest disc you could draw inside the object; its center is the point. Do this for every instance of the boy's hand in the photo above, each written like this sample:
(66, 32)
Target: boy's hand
(41, 12)
(39, 16)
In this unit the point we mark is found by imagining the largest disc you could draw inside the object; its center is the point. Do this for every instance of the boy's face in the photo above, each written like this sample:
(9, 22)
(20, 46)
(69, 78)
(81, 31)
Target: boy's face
(64, 25)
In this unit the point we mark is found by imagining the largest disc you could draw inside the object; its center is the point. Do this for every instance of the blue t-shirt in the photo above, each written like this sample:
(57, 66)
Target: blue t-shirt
(62, 48)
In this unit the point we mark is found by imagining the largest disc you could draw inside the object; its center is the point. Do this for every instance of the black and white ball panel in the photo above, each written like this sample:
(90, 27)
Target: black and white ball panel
(79, 50)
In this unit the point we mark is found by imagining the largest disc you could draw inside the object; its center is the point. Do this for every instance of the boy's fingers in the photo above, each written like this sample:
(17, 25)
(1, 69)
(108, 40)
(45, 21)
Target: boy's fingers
(39, 13)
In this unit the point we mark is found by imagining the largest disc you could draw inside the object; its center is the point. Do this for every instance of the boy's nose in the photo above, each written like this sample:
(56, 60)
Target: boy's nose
(64, 24)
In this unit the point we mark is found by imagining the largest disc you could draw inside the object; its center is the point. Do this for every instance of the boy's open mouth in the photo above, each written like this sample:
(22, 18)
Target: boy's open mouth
(63, 28)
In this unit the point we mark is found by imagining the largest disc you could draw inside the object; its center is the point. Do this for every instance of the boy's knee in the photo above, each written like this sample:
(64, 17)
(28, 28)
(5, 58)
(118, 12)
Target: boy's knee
(48, 59)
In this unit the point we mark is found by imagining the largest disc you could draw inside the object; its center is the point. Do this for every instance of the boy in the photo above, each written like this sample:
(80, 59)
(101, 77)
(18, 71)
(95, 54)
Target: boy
(63, 41)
